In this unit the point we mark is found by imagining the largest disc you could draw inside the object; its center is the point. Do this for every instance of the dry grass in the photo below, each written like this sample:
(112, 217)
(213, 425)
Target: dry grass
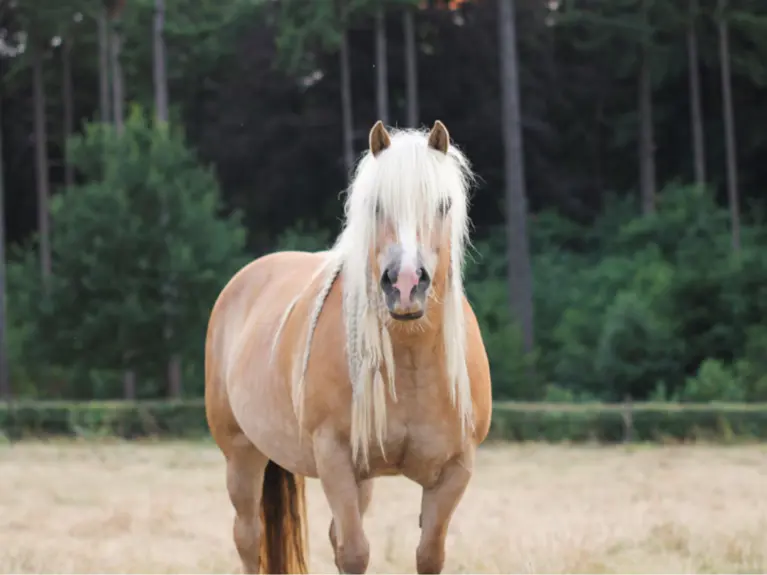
(122, 507)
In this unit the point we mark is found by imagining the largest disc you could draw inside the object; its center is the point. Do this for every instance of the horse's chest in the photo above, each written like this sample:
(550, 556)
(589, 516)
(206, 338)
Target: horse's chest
(419, 442)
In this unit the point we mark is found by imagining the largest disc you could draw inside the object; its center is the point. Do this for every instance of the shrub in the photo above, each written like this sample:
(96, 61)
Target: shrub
(713, 382)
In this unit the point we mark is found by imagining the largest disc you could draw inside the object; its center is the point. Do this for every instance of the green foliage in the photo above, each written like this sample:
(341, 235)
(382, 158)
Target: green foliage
(304, 236)
(512, 370)
(126, 419)
(713, 382)
(614, 423)
(139, 247)
(650, 307)
(635, 346)
(308, 28)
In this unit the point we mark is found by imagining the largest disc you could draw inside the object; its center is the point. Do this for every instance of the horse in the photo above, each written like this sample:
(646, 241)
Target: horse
(360, 361)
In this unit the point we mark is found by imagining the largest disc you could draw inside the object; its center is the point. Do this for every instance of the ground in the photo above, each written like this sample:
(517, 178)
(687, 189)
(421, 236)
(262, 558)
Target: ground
(148, 508)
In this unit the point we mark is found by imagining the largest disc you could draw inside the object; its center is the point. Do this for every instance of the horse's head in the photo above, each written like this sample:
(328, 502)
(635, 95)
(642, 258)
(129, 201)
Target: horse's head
(409, 198)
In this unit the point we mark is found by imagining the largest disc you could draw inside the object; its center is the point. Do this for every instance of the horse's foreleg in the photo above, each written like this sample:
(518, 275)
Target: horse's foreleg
(245, 468)
(334, 467)
(364, 495)
(437, 507)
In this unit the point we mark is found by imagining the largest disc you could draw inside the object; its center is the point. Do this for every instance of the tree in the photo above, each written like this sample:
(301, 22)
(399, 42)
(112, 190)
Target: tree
(67, 91)
(306, 27)
(114, 13)
(105, 309)
(696, 113)
(41, 20)
(5, 384)
(382, 81)
(646, 149)
(411, 66)
(162, 118)
(519, 268)
(104, 43)
(729, 123)
(347, 119)
(159, 64)
(41, 157)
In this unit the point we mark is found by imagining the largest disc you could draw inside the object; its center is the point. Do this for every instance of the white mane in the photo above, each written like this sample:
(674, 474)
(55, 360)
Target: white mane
(407, 181)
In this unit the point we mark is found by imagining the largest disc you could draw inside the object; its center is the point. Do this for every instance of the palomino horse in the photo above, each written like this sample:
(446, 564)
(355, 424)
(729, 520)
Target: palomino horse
(358, 362)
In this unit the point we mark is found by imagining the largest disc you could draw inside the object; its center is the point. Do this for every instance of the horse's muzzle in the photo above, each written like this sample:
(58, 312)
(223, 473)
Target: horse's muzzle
(405, 290)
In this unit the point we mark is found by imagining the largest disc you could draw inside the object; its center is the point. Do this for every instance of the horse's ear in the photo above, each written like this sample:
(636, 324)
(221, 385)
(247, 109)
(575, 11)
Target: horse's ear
(439, 138)
(379, 138)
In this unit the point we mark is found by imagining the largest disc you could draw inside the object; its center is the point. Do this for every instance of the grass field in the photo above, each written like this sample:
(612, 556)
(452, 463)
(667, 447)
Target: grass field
(151, 508)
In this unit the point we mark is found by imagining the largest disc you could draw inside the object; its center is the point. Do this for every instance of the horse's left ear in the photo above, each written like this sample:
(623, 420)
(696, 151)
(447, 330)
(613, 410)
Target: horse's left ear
(379, 138)
(439, 138)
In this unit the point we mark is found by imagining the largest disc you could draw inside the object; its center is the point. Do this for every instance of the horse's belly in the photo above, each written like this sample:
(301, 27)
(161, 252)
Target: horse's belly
(265, 414)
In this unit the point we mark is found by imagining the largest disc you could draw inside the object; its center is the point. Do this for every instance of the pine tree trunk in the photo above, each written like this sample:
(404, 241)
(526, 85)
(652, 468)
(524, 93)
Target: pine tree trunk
(519, 267)
(118, 92)
(346, 104)
(104, 57)
(646, 138)
(67, 95)
(411, 67)
(118, 111)
(159, 68)
(382, 88)
(5, 382)
(729, 125)
(41, 162)
(696, 113)
(162, 114)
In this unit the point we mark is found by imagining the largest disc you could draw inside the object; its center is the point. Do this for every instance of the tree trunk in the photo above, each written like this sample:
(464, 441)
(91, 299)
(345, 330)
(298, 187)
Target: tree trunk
(160, 73)
(346, 104)
(5, 382)
(411, 67)
(646, 138)
(162, 115)
(519, 268)
(696, 113)
(729, 125)
(104, 50)
(66, 71)
(118, 92)
(382, 92)
(41, 162)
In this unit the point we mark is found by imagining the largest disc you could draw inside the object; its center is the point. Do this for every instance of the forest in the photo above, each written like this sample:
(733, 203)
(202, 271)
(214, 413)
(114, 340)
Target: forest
(149, 148)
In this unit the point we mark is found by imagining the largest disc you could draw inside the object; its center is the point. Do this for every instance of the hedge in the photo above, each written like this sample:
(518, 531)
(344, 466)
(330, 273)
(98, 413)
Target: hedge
(511, 421)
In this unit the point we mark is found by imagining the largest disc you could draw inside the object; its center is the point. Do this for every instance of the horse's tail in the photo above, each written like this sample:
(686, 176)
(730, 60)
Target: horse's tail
(283, 513)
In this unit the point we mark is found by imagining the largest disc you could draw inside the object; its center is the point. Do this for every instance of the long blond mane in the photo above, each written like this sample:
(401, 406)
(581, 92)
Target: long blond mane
(408, 180)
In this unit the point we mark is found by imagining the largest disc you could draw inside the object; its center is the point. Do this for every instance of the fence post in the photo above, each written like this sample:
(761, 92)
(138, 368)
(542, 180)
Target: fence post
(628, 420)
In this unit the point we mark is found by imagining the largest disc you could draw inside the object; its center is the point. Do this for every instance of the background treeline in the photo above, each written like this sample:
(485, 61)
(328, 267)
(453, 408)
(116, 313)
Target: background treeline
(151, 147)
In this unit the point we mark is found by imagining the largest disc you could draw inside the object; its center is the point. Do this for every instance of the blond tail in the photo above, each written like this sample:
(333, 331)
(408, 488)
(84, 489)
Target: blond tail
(283, 513)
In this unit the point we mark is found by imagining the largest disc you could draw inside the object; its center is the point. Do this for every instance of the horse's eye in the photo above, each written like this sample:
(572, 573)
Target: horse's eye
(379, 210)
(444, 206)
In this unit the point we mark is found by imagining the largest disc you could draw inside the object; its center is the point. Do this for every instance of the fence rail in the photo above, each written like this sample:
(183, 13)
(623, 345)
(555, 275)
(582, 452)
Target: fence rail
(512, 421)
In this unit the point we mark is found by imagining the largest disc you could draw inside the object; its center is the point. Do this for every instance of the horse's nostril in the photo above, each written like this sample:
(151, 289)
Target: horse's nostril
(387, 279)
(423, 276)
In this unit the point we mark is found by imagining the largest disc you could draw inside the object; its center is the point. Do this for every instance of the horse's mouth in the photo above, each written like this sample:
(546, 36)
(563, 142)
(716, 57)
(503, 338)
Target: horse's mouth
(407, 316)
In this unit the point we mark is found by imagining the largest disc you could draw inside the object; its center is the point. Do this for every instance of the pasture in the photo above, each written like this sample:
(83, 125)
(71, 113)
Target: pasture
(112, 506)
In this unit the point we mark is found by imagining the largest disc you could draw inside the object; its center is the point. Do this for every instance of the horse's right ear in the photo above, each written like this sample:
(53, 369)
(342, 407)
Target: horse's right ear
(379, 138)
